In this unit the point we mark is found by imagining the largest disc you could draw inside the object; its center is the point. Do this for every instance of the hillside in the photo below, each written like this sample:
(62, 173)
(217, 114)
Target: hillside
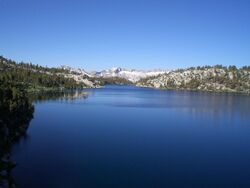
(35, 77)
(216, 78)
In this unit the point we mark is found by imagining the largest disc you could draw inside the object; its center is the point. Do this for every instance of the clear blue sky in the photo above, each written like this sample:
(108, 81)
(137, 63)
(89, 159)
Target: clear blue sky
(144, 34)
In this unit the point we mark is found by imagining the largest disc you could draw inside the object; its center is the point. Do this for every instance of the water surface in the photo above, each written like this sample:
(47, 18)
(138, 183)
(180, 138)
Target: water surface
(123, 136)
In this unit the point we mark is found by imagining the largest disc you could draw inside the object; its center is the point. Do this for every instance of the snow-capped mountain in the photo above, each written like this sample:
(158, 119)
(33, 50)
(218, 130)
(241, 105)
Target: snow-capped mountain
(80, 76)
(78, 71)
(129, 74)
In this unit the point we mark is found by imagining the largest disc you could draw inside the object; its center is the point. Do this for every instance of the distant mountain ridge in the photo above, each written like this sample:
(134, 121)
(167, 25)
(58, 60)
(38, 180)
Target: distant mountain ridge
(131, 75)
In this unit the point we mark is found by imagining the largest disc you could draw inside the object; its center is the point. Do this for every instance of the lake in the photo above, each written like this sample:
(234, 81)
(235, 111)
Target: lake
(124, 136)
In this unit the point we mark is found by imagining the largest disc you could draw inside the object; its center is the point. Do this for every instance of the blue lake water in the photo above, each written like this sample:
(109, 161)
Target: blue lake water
(124, 136)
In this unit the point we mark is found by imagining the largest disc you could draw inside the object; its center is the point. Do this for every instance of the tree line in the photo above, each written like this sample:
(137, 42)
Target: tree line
(34, 76)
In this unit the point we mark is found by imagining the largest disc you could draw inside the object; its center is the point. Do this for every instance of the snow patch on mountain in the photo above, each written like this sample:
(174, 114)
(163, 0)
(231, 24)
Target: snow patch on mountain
(76, 71)
(80, 76)
(129, 74)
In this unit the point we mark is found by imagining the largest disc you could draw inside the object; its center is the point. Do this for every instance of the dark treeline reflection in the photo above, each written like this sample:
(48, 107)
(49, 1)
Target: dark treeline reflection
(58, 95)
(16, 112)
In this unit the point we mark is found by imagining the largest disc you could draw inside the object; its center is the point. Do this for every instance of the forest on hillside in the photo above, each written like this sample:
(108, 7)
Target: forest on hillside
(35, 77)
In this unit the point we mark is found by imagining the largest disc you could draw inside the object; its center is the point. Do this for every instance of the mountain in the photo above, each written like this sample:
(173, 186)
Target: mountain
(35, 77)
(207, 78)
(76, 71)
(80, 76)
(216, 78)
(129, 74)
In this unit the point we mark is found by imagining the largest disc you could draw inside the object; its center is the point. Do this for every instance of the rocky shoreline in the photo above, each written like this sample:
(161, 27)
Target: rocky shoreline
(209, 79)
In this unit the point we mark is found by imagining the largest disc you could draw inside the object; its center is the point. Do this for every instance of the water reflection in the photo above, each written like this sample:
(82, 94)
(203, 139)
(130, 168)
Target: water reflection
(138, 137)
(59, 95)
(16, 112)
(15, 116)
(207, 104)
(195, 103)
